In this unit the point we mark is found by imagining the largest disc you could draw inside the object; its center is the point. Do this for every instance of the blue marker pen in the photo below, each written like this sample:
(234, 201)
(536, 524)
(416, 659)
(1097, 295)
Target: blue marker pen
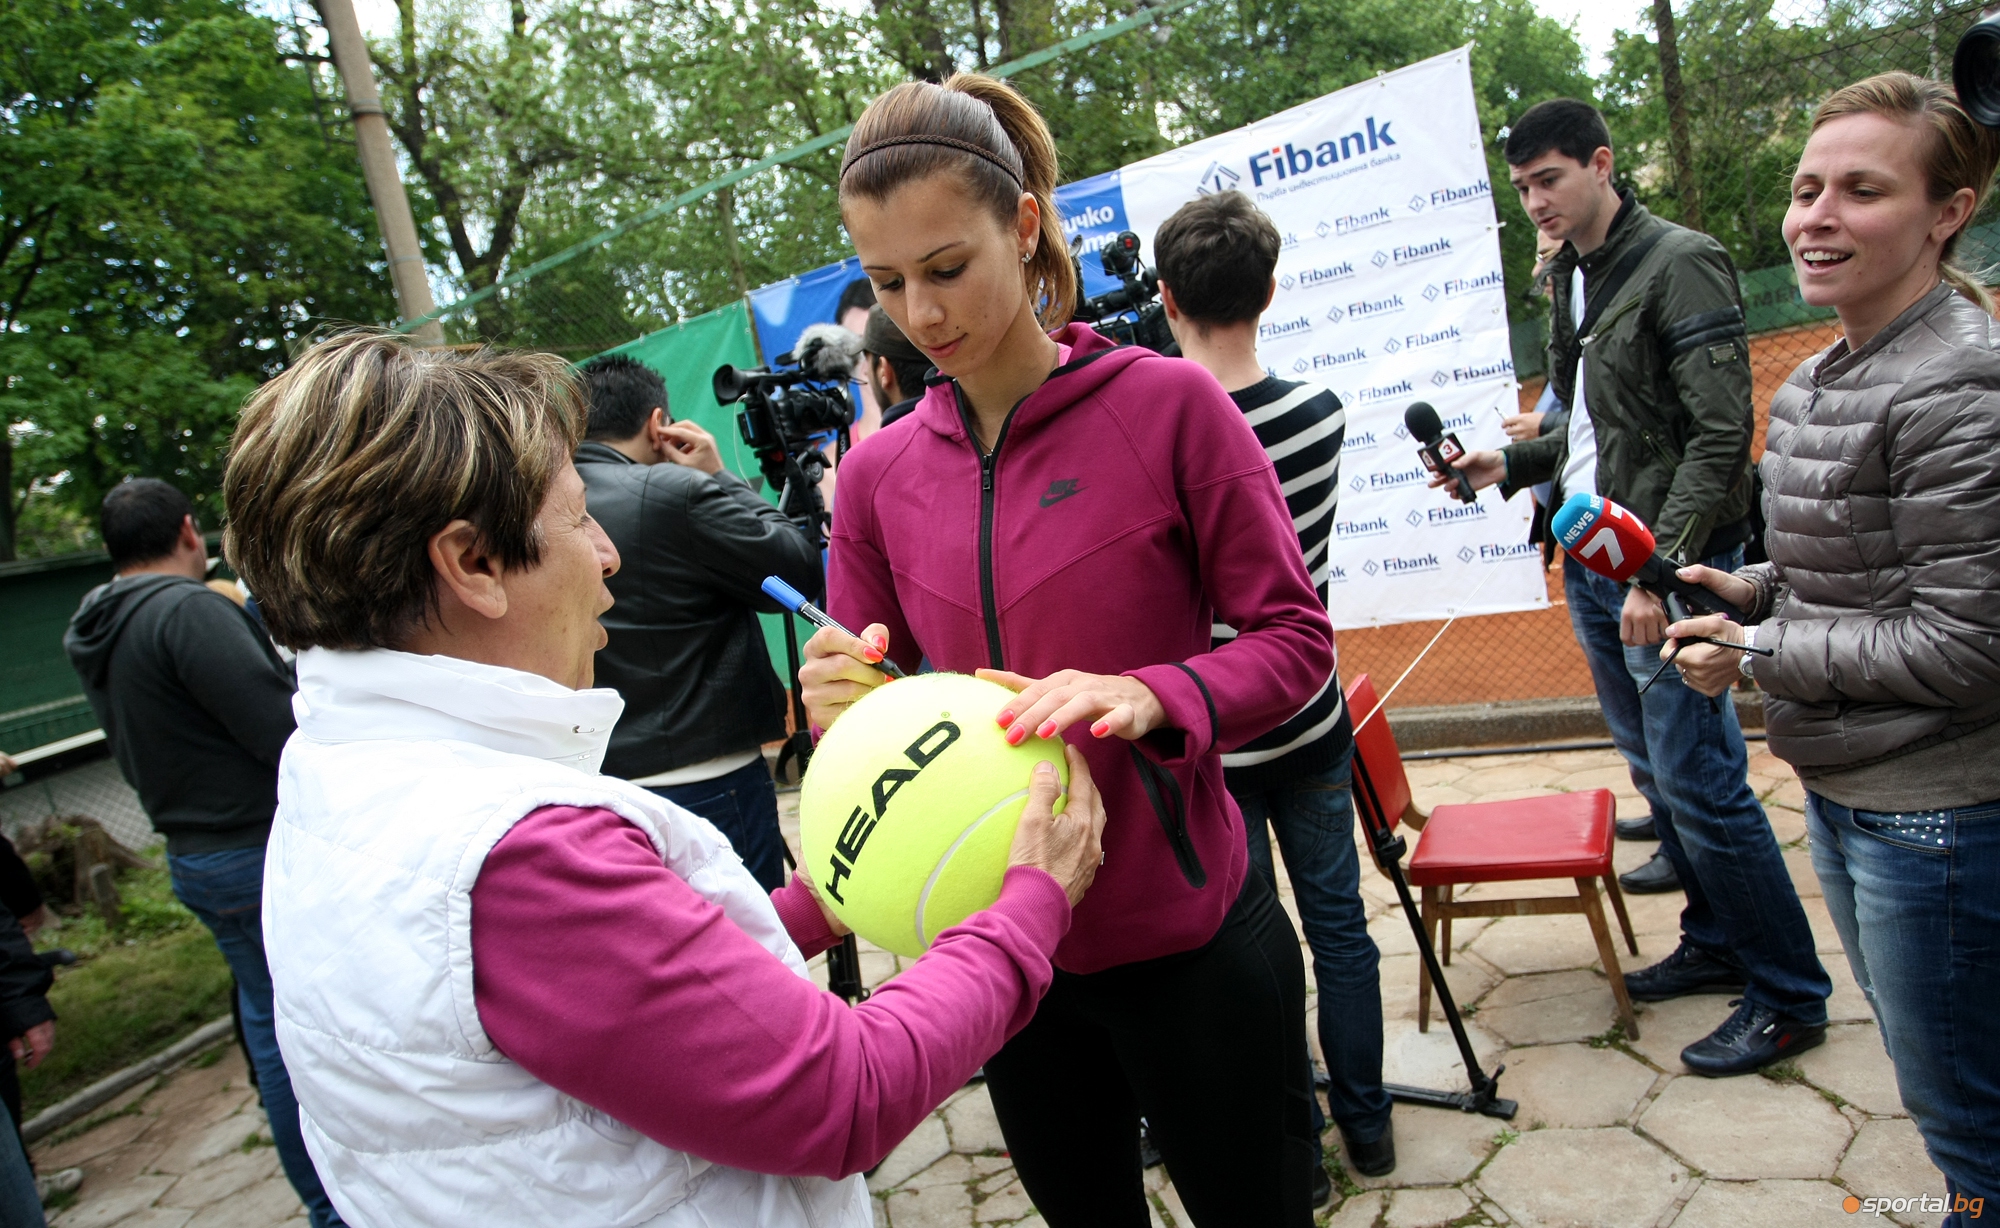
(795, 601)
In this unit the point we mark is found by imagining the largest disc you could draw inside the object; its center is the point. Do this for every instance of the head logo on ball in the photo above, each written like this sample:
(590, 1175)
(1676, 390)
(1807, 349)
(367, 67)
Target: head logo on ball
(909, 809)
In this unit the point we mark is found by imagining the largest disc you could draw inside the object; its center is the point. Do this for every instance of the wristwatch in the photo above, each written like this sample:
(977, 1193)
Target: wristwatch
(1743, 658)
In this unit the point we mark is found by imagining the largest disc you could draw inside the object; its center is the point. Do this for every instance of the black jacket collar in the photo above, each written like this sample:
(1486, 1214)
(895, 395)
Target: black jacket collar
(592, 451)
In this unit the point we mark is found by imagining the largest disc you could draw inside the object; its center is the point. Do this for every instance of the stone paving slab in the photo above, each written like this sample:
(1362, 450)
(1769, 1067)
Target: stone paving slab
(1612, 1131)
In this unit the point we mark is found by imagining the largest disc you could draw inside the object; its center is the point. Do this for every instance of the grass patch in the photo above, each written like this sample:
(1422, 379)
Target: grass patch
(133, 992)
(1784, 1072)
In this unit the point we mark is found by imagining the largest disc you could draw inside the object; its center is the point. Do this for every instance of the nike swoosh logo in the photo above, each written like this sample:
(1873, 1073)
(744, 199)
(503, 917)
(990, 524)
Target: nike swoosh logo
(1059, 490)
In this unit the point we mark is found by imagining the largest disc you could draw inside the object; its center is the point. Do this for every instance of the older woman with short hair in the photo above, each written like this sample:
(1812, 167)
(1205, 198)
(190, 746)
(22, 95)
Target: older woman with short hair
(512, 990)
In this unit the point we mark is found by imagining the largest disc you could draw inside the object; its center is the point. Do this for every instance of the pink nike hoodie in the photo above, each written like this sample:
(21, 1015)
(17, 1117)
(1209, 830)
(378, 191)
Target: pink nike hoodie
(1126, 509)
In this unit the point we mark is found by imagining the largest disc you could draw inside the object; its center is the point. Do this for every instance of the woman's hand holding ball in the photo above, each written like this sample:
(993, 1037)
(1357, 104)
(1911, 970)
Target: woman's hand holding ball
(1116, 705)
(1068, 846)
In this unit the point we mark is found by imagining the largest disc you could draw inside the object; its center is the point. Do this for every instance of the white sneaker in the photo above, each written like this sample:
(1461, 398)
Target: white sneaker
(68, 1181)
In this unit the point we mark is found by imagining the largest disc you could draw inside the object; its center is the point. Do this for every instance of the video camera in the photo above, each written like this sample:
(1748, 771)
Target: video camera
(1975, 71)
(787, 415)
(1131, 314)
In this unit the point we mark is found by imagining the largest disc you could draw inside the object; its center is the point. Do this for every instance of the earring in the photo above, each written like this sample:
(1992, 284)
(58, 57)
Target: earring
(1027, 256)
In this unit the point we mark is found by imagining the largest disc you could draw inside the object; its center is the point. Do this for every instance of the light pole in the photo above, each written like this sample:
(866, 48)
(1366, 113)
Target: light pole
(378, 166)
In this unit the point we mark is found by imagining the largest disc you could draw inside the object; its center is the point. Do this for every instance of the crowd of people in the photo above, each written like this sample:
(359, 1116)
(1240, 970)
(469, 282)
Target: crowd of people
(472, 793)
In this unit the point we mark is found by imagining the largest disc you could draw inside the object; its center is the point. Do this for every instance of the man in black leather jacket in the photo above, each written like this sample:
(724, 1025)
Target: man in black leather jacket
(685, 648)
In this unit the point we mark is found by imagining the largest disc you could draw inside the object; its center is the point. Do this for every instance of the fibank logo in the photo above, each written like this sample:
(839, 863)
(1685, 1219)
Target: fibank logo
(1417, 341)
(1459, 287)
(1348, 530)
(1456, 513)
(1474, 374)
(1402, 565)
(1499, 554)
(1359, 441)
(1348, 223)
(1385, 392)
(1328, 362)
(1217, 179)
(1369, 308)
(1322, 275)
(1288, 160)
(1414, 253)
(1415, 475)
(1284, 328)
(1336, 575)
(1445, 198)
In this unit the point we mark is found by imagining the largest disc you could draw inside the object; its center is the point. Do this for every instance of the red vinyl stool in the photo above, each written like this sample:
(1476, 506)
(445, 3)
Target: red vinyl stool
(1559, 835)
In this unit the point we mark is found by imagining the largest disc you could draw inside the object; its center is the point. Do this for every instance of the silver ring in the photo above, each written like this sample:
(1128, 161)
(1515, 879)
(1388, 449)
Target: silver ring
(1100, 857)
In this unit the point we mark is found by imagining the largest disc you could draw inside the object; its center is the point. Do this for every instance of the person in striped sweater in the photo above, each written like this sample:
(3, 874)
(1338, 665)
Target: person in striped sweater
(1216, 258)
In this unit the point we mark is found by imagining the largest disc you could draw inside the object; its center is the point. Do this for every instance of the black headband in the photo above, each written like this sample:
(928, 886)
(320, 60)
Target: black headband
(922, 139)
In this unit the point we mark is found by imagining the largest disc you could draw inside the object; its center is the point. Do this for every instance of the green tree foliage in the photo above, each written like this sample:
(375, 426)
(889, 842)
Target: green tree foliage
(173, 215)
(1754, 70)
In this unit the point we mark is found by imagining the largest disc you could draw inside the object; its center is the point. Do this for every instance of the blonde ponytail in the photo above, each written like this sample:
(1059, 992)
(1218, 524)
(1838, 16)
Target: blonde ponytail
(981, 129)
(1962, 154)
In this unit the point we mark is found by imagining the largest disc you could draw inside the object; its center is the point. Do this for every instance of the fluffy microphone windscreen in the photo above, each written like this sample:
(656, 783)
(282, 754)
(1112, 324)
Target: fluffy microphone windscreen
(828, 352)
(1602, 536)
(1423, 422)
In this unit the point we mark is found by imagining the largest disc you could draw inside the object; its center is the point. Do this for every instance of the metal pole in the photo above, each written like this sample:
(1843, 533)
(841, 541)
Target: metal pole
(1680, 144)
(378, 166)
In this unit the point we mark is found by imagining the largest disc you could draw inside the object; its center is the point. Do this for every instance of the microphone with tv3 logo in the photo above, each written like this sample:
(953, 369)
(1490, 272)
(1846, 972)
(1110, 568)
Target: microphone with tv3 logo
(1439, 450)
(1617, 545)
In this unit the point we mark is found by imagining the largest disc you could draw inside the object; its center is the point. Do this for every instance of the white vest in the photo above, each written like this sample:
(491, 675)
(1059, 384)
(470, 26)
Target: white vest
(405, 771)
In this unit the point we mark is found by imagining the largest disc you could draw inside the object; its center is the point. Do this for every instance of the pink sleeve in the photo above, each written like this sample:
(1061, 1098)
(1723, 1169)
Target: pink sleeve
(1254, 577)
(606, 976)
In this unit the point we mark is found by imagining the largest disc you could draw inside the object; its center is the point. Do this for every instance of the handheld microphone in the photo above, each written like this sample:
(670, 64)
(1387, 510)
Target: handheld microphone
(828, 352)
(1439, 449)
(795, 601)
(1617, 545)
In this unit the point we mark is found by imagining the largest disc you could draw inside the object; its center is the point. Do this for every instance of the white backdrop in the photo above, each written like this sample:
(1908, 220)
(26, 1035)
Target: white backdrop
(1389, 292)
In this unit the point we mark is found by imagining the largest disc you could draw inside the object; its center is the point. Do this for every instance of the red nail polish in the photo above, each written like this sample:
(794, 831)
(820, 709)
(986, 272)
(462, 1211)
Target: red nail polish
(1048, 729)
(1006, 718)
(872, 656)
(881, 644)
(1100, 728)
(1016, 735)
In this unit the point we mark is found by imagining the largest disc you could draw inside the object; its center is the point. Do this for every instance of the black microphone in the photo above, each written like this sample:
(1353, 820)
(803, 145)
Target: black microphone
(1439, 449)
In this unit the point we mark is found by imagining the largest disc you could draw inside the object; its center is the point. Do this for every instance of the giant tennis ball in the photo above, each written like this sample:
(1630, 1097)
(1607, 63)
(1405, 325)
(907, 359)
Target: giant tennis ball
(908, 811)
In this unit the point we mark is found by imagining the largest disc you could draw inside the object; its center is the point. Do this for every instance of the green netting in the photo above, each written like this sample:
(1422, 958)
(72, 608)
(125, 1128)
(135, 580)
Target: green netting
(41, 700)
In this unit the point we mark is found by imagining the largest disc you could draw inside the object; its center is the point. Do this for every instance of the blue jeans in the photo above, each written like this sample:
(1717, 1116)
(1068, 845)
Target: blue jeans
(226, 890)
(1688, 760)
(1916, 898)
(1313, 818)
(20, 1205)
(743, 805)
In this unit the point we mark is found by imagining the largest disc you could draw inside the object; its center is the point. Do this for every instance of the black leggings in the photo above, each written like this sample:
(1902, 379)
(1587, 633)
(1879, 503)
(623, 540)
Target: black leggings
(1208, 1045)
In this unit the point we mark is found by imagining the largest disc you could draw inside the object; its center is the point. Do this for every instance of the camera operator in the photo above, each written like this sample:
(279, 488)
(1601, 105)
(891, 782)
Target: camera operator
(1216, 259)
(1646, 347)
(894, 367)
(684, 646)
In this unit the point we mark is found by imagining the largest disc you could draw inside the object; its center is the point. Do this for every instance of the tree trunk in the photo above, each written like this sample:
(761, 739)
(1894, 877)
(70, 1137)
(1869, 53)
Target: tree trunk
(1680, 145)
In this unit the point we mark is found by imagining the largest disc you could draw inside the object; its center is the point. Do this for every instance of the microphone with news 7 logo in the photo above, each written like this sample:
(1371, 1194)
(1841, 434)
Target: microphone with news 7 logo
(1617, 545)
(1439, 450)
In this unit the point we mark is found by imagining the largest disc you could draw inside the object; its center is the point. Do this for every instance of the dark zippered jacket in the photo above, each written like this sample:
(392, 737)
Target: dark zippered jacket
(684, 647)
(1125, 509)
(24, 982)
(195, 702)
(1666, 379)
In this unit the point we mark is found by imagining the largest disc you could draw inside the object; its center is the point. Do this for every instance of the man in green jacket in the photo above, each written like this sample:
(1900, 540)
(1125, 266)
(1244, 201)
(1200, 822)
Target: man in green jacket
(1647, 348)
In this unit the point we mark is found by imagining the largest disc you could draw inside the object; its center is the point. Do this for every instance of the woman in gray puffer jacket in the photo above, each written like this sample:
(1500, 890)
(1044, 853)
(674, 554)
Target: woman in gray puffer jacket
(1881, 602)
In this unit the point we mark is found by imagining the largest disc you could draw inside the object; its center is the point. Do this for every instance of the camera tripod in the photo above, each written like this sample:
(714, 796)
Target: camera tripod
(1388, 848)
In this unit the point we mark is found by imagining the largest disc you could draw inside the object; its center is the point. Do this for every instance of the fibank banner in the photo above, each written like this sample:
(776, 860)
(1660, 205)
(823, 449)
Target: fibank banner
(1389, 292)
